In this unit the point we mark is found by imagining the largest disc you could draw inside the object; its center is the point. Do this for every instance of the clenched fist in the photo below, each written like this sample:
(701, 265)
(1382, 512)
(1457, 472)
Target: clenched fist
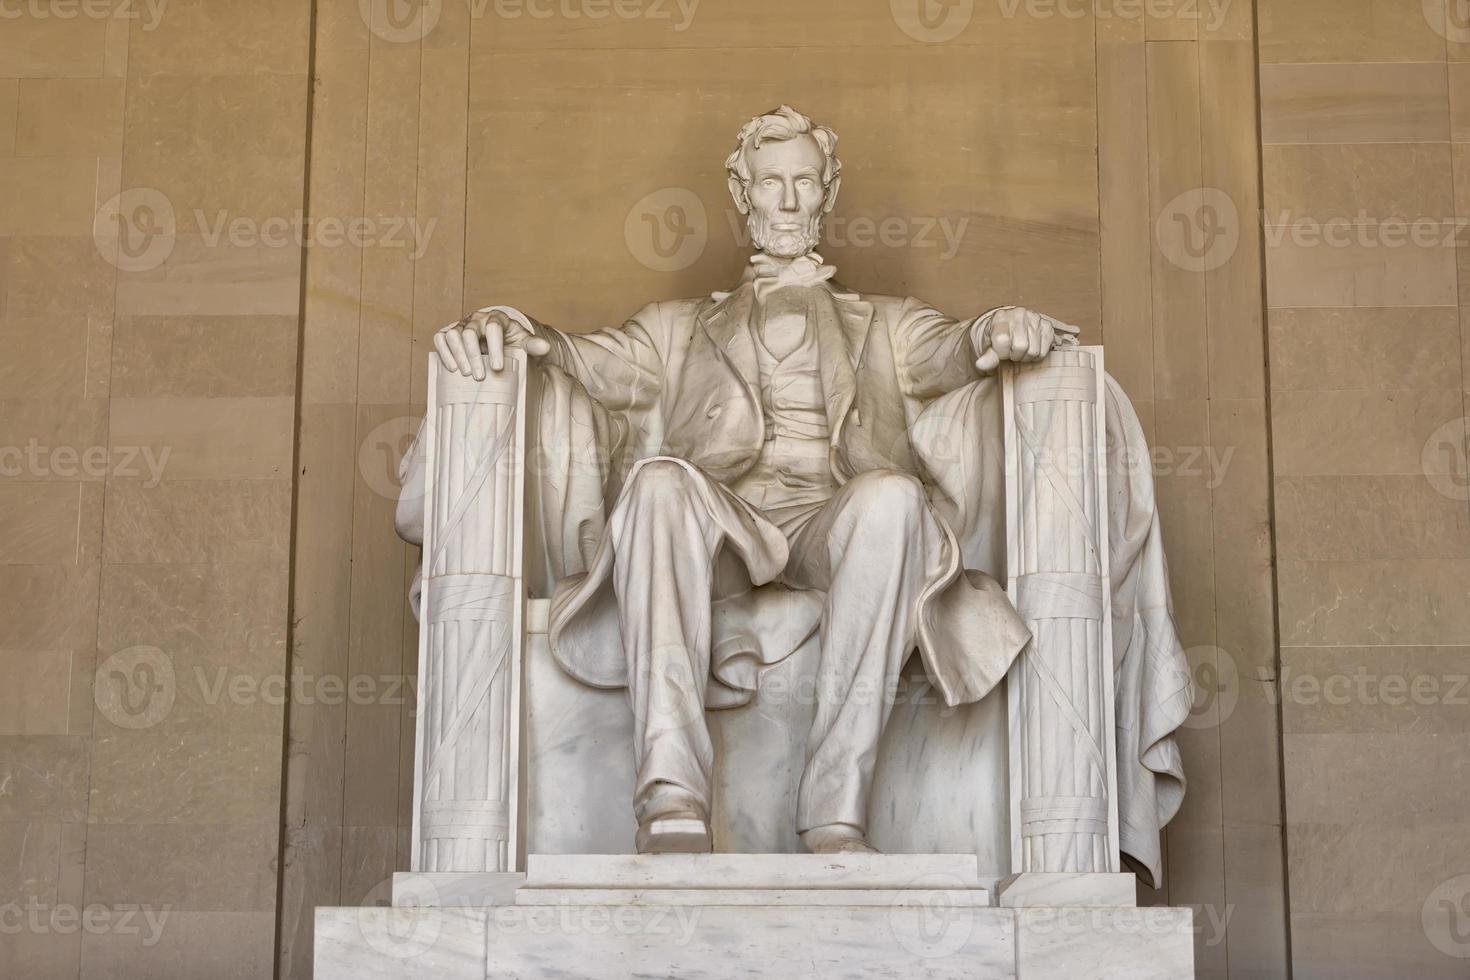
(459, 344)
(1015, 334)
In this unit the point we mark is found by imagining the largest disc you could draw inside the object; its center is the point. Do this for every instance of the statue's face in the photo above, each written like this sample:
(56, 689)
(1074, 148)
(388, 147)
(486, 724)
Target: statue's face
(786, 195)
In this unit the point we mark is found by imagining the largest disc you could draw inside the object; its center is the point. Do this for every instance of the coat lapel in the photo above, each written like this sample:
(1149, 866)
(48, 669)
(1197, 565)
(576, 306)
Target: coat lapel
(726, 323)
(843, 323)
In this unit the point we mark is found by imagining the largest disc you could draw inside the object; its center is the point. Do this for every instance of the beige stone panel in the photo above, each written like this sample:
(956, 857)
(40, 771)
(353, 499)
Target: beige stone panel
(1459, 101)
(53, 439)
(1462, 190)
(231, 195)
(40, 523)
(1182, 476)
(48, 196)
(1196, 856)
(43, 357)
(1174, 21)
(41, 952)
(1367, 947)
(217, 115)
(218, 945)
(1395, 875)
(1244, 611)
(1365, 780)
(865, 29)
(1230, 162)
(9, 105)
(1346, 103)
(99, 357)
(202, 276)
(1018, 232)
(1376, 690)
(36, 700)
(1379, 349)
(322, 610)
(71, 117)
(265, 37)
(226, 867)
(1357, 181)
(333, 294)
(1341, 518)
(30, 862)
(1349, 432)
(1369, 264)
(52, 47)
(1255, 886)
(45, 778)
(1126, 223)
(204, 357)
(199, 521)
(1179, 301)
(389, 193)
(369, 858)
(1390, 601)
(311, 876)
(208, 438)
(213, 777)
(48, 607)
(45, 275)
(380, 579)
(442, 192)
(1347, 31)
(323, 546)
(221, 672)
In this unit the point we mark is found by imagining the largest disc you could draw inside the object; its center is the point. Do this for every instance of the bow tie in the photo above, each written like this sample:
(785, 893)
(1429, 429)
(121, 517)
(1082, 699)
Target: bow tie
(769, 273)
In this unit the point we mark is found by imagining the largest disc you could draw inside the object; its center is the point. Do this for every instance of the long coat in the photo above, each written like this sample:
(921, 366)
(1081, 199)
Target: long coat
(684, 375)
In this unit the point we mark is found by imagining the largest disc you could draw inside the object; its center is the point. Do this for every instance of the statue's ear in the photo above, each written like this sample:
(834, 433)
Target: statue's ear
(737, 191)
(830, 201)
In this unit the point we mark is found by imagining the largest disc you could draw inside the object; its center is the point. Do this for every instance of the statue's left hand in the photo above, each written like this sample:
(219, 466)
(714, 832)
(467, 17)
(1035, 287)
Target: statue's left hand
(1015, 334)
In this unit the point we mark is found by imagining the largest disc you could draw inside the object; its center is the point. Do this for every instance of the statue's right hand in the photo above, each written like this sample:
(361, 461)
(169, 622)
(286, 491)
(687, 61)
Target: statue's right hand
(465, 346)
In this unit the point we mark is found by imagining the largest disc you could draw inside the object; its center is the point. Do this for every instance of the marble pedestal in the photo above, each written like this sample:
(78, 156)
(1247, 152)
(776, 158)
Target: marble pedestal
(751, 915)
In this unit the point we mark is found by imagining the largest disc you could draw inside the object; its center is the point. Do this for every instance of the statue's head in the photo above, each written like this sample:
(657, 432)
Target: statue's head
(784, 176)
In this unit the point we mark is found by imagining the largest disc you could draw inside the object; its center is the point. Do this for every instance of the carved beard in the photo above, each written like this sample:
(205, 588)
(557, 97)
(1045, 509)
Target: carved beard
(784, 243)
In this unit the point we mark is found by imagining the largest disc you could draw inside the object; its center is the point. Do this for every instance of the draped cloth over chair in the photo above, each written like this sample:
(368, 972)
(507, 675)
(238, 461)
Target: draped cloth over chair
(576, 447)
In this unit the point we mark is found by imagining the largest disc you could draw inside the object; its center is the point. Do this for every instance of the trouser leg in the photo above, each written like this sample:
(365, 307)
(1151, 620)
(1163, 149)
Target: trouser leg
(871, 548)
(664, 543)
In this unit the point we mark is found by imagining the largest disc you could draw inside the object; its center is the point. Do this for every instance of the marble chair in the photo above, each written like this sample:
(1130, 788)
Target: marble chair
(515, 757)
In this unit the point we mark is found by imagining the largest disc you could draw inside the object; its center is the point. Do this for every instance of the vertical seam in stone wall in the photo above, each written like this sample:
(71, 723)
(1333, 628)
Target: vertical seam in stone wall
(122, 151)
(1209, 440)
(282, 833)
(1271, 494)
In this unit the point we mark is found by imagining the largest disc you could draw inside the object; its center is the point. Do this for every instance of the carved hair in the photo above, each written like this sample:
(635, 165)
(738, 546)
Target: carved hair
(782, 123)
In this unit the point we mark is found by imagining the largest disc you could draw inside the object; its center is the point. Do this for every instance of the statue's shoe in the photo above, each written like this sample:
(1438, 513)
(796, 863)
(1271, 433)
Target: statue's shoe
(671, 821)
(837, 838)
